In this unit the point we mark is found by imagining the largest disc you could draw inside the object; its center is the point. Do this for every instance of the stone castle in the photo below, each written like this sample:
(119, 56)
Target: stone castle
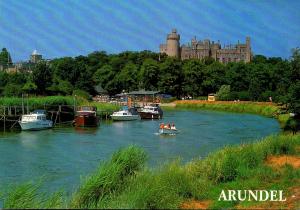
(206, 48)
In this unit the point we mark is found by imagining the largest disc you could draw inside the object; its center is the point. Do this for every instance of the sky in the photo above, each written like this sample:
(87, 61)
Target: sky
(57, 28)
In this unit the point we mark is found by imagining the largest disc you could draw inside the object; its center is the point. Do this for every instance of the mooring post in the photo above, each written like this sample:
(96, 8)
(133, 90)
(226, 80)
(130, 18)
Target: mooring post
(4, 119)
(59, 113)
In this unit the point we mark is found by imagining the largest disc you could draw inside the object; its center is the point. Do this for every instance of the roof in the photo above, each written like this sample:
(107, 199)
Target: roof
(99, 89)
(143, 92)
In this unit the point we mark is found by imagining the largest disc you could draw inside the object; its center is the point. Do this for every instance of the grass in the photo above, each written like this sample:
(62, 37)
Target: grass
(124, 181)
(41, 101)
(261, 108)
(104, 107)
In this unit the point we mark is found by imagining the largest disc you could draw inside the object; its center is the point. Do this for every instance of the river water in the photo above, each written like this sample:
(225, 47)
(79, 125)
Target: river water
(62, 155)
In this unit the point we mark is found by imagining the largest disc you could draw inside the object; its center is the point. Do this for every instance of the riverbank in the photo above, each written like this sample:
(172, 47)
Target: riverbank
(267, 109)
(125, 182)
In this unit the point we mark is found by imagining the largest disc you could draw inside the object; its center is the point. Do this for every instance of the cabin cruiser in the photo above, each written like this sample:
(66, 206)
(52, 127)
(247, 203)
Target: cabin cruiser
(86, 116)
(152, 111)
(35, 121)
(126, 115)
(167, 129)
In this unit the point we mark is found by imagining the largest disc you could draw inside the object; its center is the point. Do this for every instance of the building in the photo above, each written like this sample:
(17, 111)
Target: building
(206, 49)
(35, 57)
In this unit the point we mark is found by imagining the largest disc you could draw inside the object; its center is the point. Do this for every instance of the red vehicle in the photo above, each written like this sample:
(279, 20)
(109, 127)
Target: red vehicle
(86, 116)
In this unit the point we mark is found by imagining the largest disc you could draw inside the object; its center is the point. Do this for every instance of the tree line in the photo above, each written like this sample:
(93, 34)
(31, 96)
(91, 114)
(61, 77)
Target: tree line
(258, 80)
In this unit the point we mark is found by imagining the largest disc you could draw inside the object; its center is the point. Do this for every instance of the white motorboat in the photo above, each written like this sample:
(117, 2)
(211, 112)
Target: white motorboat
(125, 115)
(152, 111)
(35, 121)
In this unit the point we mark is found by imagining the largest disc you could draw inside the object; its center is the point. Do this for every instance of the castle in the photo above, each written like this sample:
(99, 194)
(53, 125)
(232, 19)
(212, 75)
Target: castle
(206, 48)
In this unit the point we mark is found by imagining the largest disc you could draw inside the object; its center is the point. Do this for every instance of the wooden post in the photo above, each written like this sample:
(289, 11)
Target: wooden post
(4, 119)
(59, 113)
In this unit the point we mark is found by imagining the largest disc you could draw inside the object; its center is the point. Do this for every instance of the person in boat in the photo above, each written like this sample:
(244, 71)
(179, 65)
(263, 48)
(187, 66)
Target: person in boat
(173, 127)
(161, 126)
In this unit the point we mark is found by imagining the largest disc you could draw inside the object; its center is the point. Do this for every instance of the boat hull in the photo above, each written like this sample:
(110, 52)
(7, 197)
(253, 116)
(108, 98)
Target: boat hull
(125, 118)
(36, 125)
(167, 131)
(147, 115)
(86, 121)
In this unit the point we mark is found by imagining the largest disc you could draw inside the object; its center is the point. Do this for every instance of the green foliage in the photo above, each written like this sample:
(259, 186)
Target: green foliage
(109, 178)
(5, 59)
(81, 94)
(12, 90)
(28, 196)
(224, 93)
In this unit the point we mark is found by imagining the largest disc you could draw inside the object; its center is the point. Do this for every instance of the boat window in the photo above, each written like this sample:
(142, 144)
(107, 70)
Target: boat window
(39, 117)
(124, 113)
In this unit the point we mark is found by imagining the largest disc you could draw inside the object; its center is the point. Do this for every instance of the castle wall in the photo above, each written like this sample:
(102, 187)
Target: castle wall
(203, 49)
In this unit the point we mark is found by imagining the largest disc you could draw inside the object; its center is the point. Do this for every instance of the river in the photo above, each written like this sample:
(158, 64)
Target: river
(62, 155)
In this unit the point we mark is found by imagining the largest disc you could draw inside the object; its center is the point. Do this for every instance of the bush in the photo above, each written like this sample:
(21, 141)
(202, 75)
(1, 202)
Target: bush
(224, 93)
(82, 94)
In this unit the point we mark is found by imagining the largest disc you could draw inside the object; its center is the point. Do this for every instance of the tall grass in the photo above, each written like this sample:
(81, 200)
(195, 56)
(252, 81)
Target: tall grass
(41, 101)
(110, 178)
(253, 108)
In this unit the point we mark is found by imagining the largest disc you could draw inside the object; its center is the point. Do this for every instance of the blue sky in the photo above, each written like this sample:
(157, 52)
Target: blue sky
(69, 28)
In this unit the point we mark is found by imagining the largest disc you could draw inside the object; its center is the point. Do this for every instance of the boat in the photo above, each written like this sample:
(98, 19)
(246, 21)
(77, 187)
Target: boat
(167, 129)
(86, 116)
(152, 111)
(36, 120)
(126, 115)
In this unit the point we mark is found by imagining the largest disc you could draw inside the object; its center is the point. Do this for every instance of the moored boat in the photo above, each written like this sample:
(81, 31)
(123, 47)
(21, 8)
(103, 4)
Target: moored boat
(86, 116)
(152, 111)
(35, 121)
(126, 115)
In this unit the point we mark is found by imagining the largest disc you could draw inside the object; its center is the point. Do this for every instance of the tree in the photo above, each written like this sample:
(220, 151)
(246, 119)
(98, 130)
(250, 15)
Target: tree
(193, 71)
(42, 77)
(148, 75)
(171, 77)
(29, 87)
(224, 93)
(213, 78)
(127, 78)
(12, 90)
(5, 59)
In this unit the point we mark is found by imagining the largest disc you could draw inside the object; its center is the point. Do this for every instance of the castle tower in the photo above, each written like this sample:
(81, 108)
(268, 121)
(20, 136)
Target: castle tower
(248, 50)
(35, 57)
(173, 45)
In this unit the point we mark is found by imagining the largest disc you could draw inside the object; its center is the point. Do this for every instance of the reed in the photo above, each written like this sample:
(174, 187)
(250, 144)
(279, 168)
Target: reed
(109, 178)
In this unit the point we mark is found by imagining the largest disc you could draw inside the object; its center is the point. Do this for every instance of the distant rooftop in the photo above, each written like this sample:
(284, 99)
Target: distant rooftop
(143, 92)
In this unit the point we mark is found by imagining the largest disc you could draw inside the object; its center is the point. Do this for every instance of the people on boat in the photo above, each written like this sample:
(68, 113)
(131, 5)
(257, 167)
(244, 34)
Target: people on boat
(173, 127)
(161, 126)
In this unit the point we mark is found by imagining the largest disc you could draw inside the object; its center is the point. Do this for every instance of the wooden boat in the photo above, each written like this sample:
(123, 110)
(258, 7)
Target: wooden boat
(152, 111)
(86, 116)
(35, 121)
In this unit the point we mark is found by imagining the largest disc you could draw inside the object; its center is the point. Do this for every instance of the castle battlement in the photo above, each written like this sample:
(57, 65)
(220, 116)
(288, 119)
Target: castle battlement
(205, 48)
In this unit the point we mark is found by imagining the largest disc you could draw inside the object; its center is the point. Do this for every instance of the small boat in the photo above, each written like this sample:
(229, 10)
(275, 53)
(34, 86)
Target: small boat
(167, 129)
(152, 111)
(126, 115)
(86, 116)
(35, 121)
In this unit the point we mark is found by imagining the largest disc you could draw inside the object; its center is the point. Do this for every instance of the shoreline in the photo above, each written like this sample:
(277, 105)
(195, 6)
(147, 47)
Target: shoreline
(267, 109)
